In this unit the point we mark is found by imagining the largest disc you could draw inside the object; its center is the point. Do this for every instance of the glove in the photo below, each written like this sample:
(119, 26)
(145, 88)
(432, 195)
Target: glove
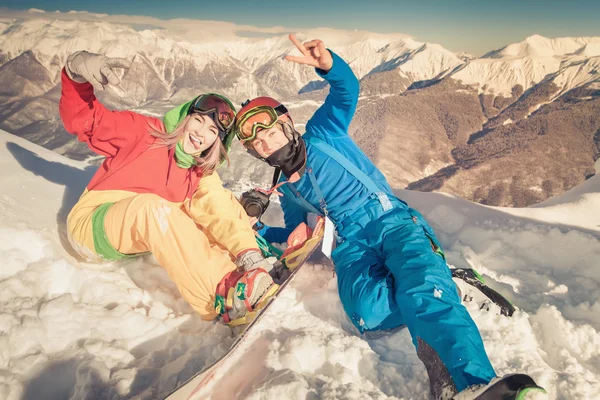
(252, 259)
(94, 68)
(280, 273)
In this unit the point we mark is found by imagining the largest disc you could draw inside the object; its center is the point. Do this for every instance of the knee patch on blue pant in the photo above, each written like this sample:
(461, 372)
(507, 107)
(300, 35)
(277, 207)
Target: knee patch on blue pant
(365, 286)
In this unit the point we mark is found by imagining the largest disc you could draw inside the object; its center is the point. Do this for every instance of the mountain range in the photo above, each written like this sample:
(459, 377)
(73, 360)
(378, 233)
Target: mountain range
(513, 127)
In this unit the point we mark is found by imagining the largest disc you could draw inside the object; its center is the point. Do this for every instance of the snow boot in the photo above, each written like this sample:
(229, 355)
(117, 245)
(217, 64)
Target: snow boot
(240, 295)
(472, 288)
(508, 387)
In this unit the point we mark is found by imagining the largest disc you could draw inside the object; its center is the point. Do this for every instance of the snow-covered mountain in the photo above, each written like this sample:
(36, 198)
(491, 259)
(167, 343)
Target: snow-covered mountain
(449, 115)
(168, 69)
(258, 62)
(71, 329)
(525, 63)
(529, 62)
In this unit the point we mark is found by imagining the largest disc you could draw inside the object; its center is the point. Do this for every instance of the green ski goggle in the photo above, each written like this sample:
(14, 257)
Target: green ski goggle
(261, 117)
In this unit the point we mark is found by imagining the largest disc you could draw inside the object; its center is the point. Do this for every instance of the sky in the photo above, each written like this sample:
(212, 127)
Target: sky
(473, 26)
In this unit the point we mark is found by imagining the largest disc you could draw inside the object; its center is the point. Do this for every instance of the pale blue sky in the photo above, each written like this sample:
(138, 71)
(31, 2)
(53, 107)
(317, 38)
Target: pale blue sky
(475, 26)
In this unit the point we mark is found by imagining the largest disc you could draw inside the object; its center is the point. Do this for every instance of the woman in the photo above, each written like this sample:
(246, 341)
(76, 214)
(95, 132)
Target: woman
(157, 191)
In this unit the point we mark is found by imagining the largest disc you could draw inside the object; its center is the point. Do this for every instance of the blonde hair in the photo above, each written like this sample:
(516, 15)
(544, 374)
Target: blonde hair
(208, 161)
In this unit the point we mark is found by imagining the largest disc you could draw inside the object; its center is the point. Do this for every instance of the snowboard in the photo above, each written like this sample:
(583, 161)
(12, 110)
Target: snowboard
(199, 385)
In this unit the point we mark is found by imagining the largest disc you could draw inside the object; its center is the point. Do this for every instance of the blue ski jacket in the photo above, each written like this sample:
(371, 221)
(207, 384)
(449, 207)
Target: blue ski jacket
(343, 193)
(388, 269)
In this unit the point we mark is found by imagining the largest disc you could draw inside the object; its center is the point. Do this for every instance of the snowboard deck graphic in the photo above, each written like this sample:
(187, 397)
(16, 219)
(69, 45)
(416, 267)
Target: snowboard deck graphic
(199, 385)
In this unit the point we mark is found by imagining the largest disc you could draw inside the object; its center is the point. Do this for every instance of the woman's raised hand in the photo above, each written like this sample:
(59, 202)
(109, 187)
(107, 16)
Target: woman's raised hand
(96, 69)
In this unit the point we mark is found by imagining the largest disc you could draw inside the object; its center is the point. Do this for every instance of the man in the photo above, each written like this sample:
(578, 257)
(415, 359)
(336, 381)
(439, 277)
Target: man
(391, 269)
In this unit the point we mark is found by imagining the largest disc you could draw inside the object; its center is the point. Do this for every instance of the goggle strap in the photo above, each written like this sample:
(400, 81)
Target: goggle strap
(225, 99)
(214, 114)
(281, 110)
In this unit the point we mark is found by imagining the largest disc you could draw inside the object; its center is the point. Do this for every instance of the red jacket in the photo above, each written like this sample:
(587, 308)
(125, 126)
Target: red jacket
(133, 166)
(122, 136)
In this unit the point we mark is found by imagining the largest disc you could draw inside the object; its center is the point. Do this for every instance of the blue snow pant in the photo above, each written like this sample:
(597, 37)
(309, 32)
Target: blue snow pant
(389, 275)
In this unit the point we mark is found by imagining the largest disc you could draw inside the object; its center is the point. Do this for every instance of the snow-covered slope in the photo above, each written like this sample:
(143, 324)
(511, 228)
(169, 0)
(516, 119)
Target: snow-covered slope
(576, 74)
(540, 46)
(528, 62)
(70, 329)
(419, 61)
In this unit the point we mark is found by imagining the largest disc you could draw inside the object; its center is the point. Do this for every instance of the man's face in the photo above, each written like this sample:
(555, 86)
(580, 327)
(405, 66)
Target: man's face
(268, 141)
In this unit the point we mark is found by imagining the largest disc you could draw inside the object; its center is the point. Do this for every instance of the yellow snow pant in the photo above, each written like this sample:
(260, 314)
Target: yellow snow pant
(147, 222)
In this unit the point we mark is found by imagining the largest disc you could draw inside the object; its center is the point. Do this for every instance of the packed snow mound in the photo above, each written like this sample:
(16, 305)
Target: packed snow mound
(71, 329)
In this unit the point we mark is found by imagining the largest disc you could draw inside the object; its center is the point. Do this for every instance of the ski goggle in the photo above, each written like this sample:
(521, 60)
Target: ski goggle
(220, 107)
(261, 117)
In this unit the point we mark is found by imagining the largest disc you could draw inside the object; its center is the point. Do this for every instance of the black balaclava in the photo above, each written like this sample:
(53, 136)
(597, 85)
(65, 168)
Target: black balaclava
(291, 158)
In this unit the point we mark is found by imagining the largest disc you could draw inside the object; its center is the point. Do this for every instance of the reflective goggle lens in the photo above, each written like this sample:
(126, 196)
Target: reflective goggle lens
(218, 105)
(261, 117)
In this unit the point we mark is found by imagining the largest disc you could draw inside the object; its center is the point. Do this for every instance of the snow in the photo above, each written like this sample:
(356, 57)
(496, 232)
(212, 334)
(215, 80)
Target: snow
(528, 62)
(70, 329)
(188, 39)
(570, 61)
(419, 60)
(501, 75)
(577, 73)
(257, 62)
(539, 46)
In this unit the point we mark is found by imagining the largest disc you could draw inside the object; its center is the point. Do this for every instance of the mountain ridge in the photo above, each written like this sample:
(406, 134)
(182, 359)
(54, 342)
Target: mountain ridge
(464, 104)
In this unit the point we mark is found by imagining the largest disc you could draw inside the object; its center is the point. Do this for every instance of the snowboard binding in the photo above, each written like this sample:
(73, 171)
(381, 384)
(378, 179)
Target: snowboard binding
(472, 288)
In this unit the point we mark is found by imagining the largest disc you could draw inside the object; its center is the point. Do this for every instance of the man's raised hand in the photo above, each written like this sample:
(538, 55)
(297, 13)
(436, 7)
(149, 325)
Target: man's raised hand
(313, 53)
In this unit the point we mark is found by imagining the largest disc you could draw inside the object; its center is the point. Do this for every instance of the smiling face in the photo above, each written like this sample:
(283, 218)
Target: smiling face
(268, 141)
(200, 133)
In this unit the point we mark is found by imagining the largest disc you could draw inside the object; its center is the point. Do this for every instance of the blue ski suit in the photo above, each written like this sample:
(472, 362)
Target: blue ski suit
(389, 272)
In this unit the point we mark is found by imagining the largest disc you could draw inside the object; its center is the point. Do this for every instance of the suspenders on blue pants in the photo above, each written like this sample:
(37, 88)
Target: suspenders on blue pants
(390, 275)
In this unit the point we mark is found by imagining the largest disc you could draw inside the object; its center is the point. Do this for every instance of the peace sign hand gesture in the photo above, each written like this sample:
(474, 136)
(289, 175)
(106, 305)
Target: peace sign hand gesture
(314, 54)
